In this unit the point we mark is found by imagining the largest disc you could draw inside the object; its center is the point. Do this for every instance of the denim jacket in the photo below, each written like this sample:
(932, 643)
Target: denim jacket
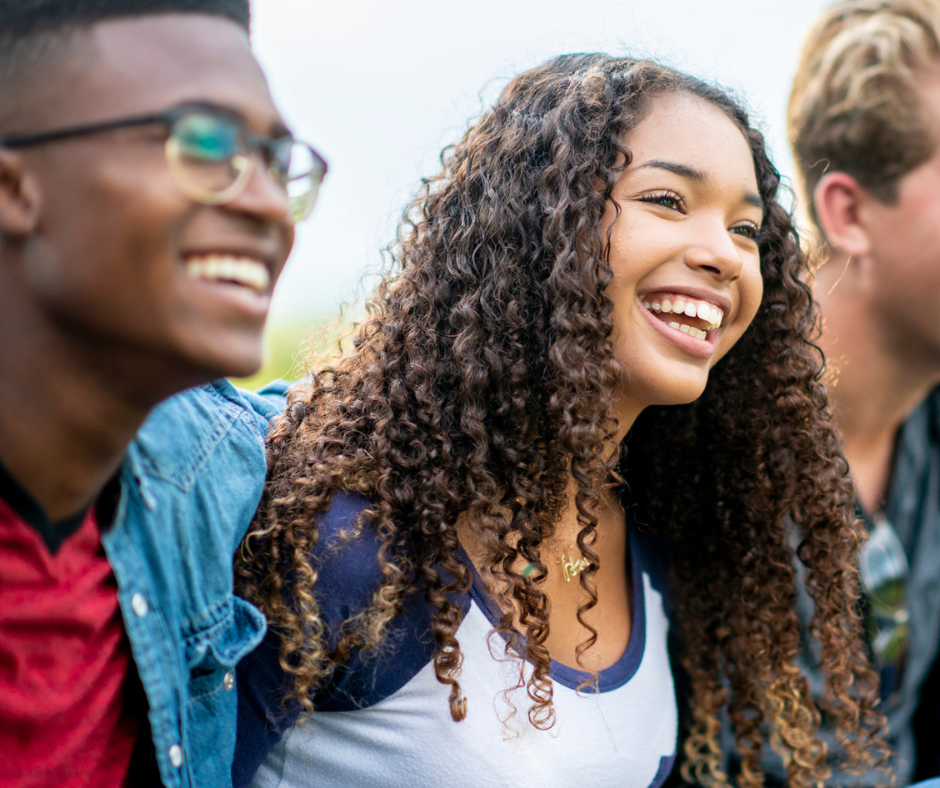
(190, 484)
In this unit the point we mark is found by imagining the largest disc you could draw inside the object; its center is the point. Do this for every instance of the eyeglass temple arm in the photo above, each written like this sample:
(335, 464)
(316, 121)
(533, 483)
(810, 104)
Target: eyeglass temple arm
(24, 140)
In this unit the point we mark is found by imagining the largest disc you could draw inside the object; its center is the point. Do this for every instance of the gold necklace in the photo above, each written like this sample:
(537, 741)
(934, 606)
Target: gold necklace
(570, 567)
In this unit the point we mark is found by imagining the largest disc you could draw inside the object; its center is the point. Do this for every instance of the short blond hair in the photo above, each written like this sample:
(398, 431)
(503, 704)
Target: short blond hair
(856, 101)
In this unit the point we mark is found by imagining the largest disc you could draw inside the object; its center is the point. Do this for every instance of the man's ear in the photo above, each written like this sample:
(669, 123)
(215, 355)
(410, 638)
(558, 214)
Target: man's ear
(836, 200)
(19, 196)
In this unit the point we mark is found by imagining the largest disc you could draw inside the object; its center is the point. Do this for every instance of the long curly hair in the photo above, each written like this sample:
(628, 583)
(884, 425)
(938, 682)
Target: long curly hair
(481, 383)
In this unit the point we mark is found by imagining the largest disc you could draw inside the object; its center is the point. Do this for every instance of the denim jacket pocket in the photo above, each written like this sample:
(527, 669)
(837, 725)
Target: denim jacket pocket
(212, 707)
(212, 654)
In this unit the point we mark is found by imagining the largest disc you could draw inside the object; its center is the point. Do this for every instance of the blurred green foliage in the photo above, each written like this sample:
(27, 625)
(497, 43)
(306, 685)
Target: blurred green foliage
(291, 343)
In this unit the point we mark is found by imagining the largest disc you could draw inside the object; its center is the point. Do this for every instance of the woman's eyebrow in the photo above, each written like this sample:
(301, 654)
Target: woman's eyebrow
(692, 174)
(754, 199)
(682, 170)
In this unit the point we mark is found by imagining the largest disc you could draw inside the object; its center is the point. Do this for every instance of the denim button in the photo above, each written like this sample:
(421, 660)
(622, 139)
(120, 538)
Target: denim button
(139, 605)
(176, 756)
(228, 680)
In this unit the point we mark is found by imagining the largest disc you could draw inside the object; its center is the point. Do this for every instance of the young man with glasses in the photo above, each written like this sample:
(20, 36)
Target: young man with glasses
(148, 193)
(863, 117)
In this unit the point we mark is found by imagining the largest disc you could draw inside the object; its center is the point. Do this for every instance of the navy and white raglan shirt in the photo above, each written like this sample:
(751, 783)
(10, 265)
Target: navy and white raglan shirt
(384, 719)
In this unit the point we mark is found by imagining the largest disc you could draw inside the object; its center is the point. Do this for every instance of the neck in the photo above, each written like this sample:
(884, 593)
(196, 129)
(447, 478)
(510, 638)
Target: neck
(607, 509)
(68, 411)
(875, 381)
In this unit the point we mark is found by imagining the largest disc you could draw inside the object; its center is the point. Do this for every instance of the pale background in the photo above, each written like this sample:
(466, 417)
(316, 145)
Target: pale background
(380, 86)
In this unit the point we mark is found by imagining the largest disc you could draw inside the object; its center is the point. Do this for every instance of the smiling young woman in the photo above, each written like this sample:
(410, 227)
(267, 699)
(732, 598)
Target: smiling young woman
(531, 457)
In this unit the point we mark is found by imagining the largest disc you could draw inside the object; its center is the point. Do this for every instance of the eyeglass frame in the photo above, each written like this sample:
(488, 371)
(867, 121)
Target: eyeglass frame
(256, 143)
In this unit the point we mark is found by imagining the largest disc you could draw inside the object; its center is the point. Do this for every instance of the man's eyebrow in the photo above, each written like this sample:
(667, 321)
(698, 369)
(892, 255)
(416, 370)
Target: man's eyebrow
(277, 129)
(692, 174)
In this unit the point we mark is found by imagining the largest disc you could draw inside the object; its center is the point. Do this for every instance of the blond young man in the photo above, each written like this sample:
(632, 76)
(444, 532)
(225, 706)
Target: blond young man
(864, 117)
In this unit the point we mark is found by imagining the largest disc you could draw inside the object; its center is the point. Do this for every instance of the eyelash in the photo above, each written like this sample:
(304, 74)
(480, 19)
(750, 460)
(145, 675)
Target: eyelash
(754, 232)
(658, 198)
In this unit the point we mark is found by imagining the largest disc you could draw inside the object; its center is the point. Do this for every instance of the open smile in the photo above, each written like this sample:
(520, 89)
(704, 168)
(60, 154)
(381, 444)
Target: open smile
(242, 279)
(689, 323)
(230, 269)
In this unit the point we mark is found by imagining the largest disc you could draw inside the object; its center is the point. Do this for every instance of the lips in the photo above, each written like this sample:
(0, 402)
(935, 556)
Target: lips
(689, 320)
(693, 316)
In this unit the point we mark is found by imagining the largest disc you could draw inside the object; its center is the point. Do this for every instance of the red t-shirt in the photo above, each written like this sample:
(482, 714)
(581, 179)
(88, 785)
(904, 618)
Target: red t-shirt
(70, 703)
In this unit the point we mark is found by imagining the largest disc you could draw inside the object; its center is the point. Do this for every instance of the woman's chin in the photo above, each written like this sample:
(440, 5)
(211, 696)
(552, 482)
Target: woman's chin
(671, 390)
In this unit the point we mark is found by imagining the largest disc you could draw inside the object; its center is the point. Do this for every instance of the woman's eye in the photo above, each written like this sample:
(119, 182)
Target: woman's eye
(666, 199)
(747, 230)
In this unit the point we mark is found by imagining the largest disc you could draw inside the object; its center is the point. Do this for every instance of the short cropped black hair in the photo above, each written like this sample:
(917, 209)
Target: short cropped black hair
(33, 32)
(21, 19)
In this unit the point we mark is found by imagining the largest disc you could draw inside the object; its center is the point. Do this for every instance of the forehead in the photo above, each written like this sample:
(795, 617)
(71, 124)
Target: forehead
(145, 64)
(684, 129)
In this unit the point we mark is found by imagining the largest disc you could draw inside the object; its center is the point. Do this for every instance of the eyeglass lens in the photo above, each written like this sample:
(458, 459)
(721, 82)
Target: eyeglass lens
(211, 157)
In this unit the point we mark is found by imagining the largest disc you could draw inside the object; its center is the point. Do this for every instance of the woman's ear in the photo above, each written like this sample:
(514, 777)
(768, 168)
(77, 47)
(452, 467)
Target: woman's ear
(19, 196)
(836, 200)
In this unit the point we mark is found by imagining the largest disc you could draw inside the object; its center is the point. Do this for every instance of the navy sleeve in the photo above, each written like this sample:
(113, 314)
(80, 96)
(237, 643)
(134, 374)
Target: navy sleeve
(263, 715)
(348, 576)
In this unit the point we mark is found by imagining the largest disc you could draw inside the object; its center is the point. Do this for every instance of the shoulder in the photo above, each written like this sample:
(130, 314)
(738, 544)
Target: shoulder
(348, 575)
(195, 472)
(346, 558)
(268, 401)
(212, 423)
(199, 416)
(932, 406)
(919, 437)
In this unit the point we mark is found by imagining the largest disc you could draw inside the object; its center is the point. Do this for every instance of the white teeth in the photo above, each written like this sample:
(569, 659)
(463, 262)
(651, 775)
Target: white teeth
(243, 271)
(710, 314)
(690, 330)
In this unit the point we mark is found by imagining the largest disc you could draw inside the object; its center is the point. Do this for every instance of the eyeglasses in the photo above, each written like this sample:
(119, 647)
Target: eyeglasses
(884, 571)
(211, 155)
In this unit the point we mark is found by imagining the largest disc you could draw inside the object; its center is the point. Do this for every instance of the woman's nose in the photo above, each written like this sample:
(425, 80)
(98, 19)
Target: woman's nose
(715, 252)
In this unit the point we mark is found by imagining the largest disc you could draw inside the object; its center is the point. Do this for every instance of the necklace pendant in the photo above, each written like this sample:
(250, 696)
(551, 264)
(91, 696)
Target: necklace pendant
(570, 567)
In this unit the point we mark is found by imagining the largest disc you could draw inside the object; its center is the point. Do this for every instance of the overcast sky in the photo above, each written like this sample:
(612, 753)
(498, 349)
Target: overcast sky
(379, 87)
